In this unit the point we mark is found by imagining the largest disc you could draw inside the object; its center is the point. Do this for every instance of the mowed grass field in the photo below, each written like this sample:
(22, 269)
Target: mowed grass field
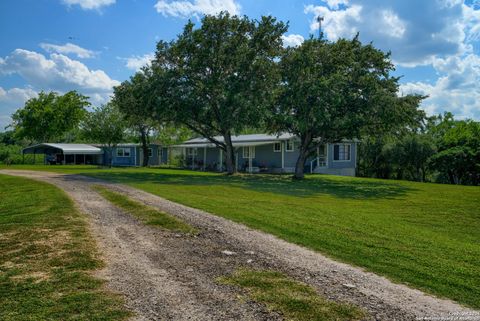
(47, 258)
(423, 235)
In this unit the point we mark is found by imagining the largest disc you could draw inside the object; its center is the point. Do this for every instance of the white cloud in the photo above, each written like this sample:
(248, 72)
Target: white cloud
(417, 32)
(54, 73)
(196, 8)
(292, 40)
(456, 90)
(335, 4)
(68, 48)
(137, 62)
(12, 99)
(395, 26)
(442, 34)
(58, 72)
(89, 4)
(336, 23)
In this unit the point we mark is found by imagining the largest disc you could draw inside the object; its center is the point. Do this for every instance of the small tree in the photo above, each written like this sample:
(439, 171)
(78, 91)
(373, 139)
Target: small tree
(458, 159)
(105, 125)
(338, 90)
(134, 99)
(412, 153)
(221, 76)
(49, 116)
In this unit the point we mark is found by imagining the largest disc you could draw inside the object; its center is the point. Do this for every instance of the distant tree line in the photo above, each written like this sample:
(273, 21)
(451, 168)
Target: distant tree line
(232, 74)
(441, 149)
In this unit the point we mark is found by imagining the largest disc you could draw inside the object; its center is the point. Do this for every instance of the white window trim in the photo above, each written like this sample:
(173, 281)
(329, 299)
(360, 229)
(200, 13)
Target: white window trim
(245, 148)
(123, 149)
(292, 143)
(150, 152)
(349, 154)
(279, 150)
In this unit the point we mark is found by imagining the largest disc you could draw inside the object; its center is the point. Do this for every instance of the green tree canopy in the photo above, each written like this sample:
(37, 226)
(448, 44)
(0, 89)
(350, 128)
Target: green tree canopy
(49, 116)
(458, 157)
(134, 99)
(105, 125)
(221, 77)
(338, 90)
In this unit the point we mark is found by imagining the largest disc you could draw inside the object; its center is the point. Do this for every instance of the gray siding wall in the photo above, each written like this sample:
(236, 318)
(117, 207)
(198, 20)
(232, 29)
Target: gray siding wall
(265, 156)
(342, 164)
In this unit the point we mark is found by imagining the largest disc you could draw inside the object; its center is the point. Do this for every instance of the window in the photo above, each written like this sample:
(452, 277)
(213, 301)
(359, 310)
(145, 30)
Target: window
(123, 152)
(247, 150)
(341, 152)
(150, 152)
(192, 152)
(277, 147)
(289, 146)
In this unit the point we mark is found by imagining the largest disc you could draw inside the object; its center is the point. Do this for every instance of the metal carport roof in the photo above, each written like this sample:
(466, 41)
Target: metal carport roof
(66, 149)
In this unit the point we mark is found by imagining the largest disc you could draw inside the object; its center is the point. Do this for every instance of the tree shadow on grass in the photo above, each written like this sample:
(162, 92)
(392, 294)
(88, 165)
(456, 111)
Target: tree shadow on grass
(341, 187)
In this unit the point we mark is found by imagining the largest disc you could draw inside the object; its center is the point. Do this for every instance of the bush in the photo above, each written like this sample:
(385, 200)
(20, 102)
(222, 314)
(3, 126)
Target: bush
(12, 154)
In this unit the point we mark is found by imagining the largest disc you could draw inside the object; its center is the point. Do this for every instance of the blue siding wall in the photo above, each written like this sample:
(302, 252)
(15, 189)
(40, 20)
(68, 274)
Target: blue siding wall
(135, 156)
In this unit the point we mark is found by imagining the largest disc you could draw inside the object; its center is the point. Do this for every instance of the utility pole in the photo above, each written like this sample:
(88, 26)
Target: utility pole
(320, 33)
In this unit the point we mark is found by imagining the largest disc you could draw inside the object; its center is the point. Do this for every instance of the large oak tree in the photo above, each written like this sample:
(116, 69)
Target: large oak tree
(332, 91)
(221, 76)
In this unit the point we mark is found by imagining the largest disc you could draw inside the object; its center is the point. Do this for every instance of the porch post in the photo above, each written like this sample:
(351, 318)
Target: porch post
(193, 158)
(220, 166)
(250, 148)
(185, 157)
(204, 157)
(236, 160)
(282, 146)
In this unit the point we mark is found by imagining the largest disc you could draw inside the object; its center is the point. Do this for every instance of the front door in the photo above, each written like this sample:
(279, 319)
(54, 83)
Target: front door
(322, 156)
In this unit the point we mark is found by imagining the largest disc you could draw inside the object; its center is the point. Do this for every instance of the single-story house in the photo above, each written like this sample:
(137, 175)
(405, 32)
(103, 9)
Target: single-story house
(96, 154)
(270, 153)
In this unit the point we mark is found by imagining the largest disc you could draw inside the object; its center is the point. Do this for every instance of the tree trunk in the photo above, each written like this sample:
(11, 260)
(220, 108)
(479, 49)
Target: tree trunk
(144, 140)
(229, 154)
(305, 141)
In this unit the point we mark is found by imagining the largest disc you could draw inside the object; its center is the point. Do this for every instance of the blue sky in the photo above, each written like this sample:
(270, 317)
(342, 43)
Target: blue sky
(92, 45)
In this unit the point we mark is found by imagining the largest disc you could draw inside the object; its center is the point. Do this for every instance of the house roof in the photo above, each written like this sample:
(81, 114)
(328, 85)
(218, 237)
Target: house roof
(65, 148)
(240, 139)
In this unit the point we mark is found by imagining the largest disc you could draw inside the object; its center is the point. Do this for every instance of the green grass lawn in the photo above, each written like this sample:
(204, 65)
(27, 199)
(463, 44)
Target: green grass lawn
(424, 235)
(146, 214)
(47, 258)
(296, 301)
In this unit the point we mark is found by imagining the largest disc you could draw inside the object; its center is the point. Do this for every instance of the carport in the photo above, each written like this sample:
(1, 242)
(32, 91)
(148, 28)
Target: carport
(66, 153)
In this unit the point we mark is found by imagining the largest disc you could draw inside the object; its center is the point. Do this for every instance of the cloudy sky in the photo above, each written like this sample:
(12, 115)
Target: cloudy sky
(92, 45)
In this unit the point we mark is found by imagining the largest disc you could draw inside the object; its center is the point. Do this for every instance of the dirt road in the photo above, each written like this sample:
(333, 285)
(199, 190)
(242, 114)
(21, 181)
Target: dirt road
(169, 276)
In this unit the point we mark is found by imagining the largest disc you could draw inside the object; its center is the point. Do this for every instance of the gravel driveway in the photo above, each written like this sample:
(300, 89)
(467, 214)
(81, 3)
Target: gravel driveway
(169, 276)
